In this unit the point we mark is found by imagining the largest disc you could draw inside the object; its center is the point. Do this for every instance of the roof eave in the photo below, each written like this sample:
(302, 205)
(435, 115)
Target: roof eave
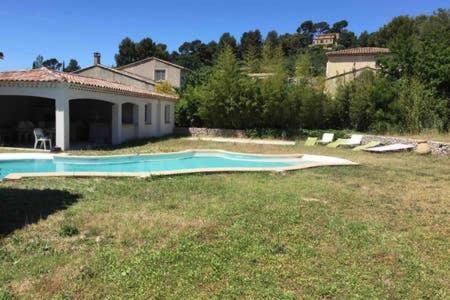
(357, 54)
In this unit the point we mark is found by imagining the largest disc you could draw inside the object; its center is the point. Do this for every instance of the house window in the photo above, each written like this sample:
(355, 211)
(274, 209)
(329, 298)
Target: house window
(148, 113)
(160, 75)
(167, 113)
(127, 113)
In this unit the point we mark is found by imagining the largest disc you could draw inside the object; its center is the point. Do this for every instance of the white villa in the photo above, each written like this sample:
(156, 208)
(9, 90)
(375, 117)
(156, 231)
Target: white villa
(95, 105)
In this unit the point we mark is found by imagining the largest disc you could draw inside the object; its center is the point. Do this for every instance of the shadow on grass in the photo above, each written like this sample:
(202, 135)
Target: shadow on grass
(20, 207)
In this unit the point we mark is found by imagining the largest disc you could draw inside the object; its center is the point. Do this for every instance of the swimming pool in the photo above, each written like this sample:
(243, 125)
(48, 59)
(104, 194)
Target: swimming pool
(15, 166)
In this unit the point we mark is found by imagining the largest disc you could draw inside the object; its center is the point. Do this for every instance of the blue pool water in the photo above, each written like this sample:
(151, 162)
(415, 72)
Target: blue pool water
(146, 163)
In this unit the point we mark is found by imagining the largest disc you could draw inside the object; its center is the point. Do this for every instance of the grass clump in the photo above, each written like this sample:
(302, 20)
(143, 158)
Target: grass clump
(68, 230)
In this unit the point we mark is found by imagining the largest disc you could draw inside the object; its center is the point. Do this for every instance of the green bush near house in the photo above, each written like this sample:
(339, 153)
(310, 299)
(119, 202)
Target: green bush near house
(165, 87)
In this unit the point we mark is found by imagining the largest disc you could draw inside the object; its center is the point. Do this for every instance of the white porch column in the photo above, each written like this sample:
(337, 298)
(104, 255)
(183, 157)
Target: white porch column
(62, 120)
(158, 118)
(140, 120)
(117, 123)
(136, 120)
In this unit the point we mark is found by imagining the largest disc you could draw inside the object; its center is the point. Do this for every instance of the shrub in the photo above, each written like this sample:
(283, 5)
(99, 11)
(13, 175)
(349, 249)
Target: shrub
(186, 111)
(366, 103)
(165, 87)
(418, 107)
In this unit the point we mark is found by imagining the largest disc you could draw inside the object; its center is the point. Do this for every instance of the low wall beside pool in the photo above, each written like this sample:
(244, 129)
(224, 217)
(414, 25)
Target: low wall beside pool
(439, 148)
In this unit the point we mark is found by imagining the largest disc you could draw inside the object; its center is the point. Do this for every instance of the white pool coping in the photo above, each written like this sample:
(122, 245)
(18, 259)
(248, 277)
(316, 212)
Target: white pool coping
(315, 161)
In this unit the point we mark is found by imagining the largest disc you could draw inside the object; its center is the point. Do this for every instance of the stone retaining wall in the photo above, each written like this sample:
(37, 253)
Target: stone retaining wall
(209, 132)
(436, 147)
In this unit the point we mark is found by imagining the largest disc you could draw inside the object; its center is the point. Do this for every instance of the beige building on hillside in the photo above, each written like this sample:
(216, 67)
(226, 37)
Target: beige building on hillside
(326, 40)
(345, 65)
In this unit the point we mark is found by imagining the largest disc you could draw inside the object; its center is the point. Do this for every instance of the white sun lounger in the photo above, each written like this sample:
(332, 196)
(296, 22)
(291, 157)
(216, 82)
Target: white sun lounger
(391, 148)
(354, 140)
(326, 138)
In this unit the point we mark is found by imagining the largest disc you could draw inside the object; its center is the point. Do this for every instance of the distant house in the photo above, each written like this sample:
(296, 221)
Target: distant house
(96, 105)
(326, 40)
(345, 65)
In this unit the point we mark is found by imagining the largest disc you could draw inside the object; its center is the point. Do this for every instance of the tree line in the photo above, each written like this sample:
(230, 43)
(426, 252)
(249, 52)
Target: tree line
(55, 64)
(196, 54)
(409, 94)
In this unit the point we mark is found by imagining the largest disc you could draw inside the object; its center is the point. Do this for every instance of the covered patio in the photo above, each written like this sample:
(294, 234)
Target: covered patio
(19, 115)
(78, 109)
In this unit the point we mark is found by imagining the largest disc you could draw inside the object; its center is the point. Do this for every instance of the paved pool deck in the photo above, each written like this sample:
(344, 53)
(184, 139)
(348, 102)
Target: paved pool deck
(242, 141)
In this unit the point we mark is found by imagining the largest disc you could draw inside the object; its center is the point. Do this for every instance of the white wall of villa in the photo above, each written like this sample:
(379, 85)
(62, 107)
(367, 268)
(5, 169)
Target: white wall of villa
(62, 94)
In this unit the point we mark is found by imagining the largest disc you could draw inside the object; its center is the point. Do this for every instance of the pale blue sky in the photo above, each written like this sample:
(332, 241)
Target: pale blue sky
(75, 29)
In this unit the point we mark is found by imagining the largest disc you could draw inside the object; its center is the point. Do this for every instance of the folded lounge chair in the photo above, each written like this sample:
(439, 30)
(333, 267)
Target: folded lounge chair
(391, 148)
(354, 140)
(326, 138)
(311, 141)
(336, 143)
(368, 145)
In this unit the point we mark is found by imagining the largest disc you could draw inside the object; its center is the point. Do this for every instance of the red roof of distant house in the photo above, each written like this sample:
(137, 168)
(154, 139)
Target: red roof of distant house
(46, 75)
(359, 51)
(326, 35)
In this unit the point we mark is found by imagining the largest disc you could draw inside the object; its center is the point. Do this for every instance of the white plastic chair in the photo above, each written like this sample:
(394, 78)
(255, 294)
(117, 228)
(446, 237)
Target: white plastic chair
(40, 137)
(326, 138)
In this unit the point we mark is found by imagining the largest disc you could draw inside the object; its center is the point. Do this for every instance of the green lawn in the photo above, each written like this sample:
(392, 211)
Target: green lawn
(378, 230)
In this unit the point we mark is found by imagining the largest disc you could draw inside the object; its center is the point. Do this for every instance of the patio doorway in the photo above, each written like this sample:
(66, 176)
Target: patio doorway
(20, 115)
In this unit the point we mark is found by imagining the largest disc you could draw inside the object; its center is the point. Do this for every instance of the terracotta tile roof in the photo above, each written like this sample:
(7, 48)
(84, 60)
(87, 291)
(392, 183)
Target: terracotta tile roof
(359, 51)
(326, 36)
(46, 75)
